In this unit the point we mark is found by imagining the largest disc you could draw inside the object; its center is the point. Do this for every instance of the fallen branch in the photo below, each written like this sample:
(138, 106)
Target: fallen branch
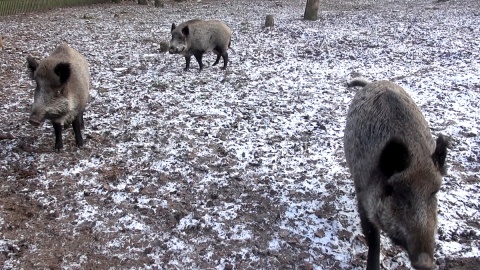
(6, 136)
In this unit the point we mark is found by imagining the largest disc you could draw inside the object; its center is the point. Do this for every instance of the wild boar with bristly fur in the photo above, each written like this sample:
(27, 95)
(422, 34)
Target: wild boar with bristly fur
(197, 37)
(397, 170)
(62, 91)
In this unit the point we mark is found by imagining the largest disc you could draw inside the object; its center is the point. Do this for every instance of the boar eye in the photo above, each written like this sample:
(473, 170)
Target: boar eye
(402, 200)
(388, 190)
(59, 92)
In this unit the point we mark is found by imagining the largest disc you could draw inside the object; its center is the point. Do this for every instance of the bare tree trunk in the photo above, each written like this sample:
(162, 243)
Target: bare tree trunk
(142, 2)
(311, 10)
(159, 3)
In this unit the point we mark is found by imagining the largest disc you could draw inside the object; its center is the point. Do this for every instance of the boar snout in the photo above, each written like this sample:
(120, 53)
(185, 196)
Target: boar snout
(35, 119)
(34, 122)
(421, 240)
(423, 262)
(175, 49)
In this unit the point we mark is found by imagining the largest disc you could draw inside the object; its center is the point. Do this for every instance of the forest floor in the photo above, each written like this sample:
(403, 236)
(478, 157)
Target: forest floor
(235, 169)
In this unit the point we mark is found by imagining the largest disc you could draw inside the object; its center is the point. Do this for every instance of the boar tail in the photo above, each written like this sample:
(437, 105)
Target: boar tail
(358, 82)
(229, 44)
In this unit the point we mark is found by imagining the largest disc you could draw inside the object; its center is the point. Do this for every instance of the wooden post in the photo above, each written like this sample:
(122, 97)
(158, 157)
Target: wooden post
(269, 22)
(311, 10)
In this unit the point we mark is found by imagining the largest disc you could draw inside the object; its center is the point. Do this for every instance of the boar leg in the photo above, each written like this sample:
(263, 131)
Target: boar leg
(225, 60)
(217, 60)
(82, 124)
(221, 53)
(373, 240)
(57, 127)
(187, 60)
(77, 125)
(198, 56)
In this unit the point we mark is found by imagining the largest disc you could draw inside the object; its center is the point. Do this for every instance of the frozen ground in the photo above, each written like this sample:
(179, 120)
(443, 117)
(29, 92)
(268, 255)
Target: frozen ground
(236, 169)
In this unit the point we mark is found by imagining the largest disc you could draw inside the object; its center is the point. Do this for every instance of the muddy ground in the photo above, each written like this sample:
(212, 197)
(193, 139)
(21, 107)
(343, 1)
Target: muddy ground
(235, 169)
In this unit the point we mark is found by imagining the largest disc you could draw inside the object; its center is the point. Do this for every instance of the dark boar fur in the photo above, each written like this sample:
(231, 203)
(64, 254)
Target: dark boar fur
(61, 93)
(397, 169)
(196, 37)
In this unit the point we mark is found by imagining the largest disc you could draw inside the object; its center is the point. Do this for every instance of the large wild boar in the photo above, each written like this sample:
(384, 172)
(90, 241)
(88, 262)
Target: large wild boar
(397, 169)
(62, 90)
(196, 37)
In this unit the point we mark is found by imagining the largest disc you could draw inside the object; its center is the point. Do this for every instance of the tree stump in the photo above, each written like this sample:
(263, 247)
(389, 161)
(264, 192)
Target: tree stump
(269, 22)
(164, 45)
(311, 10)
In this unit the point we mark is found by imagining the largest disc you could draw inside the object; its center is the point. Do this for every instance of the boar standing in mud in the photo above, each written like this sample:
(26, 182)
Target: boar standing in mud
(397, 170)
(196, 37)
(61, 93)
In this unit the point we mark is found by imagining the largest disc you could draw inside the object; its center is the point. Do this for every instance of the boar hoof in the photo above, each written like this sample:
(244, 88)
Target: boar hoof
(80, 143)
(58, 146)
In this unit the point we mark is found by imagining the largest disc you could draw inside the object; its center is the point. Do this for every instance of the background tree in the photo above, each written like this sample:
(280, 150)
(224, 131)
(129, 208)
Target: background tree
(311, 10)
(159, 3)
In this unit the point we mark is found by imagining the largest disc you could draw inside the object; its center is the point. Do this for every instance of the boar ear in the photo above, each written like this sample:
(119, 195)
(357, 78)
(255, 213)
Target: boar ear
(440, 154)
(185, 30)
(173, 27)
(63, 71)
(394, 158)
(32, 64)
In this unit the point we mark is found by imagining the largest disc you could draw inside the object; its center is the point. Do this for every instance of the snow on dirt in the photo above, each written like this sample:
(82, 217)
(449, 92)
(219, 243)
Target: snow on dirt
(235, 169)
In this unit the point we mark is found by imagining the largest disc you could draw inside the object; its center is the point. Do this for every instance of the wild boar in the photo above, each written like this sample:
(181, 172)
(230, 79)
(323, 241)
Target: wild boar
(397, 170)
(196, 37)
(62, 91)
